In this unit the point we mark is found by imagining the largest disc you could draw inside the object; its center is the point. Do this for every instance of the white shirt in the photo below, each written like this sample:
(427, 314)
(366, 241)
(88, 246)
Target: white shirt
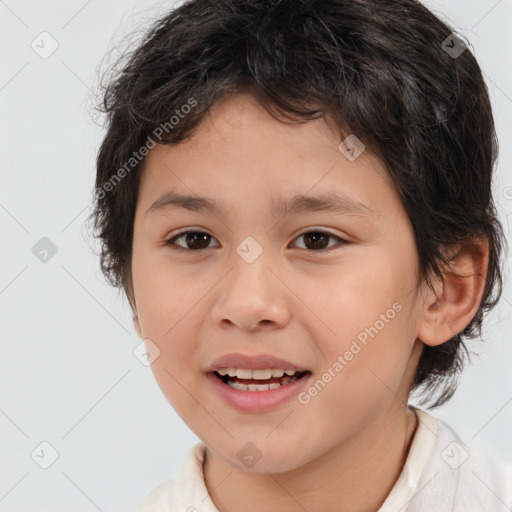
(441, 474)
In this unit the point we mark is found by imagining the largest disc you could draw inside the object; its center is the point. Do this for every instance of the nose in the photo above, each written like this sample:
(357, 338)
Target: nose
(252, 296)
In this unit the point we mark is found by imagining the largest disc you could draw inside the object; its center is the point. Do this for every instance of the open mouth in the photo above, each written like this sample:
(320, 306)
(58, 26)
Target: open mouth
(258, 380)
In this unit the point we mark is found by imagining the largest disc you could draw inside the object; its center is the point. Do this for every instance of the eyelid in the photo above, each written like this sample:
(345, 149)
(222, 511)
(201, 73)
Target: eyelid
(317, 229)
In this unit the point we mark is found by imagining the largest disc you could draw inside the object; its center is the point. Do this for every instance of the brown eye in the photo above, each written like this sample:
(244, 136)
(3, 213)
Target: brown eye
(193, 240)
(316, 241)
(319, 240)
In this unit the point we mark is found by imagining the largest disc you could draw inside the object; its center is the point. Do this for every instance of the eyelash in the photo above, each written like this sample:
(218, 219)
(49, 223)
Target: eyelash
(174, 247)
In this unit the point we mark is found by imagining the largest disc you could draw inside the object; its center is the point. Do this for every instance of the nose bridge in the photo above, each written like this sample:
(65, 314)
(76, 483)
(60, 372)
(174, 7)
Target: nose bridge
(251, 250)
(250, 264)
(251, 292)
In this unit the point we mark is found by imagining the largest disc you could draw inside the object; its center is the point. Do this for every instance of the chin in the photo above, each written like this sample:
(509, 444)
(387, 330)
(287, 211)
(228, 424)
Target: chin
(263, 456)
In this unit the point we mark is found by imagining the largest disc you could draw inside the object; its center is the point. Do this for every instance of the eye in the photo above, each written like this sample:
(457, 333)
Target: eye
(199, 240)
(316, 240)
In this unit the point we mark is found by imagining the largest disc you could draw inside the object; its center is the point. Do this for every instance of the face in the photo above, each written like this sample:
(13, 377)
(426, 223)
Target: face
(328, 291)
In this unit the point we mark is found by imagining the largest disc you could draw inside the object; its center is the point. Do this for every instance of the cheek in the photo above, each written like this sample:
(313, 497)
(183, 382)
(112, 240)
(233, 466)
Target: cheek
(352, 390)
(169, 305)
(169, 319)
(370, 319)
(164, 292)
(353, 296)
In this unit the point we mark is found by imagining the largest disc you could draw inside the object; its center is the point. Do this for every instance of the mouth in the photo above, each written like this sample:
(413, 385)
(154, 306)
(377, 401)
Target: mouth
(248, 380)
(257, 391)
(256, 383)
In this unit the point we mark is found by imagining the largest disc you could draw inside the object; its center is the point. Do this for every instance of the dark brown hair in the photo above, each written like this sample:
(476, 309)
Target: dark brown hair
(378, 69)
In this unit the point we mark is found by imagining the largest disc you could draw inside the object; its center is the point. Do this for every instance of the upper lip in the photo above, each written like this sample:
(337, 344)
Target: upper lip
(252, 362)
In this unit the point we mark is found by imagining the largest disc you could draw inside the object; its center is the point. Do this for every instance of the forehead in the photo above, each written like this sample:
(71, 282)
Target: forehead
(239, 154)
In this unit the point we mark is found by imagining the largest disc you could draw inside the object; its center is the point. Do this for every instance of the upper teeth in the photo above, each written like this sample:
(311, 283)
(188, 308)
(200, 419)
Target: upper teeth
(243, 373)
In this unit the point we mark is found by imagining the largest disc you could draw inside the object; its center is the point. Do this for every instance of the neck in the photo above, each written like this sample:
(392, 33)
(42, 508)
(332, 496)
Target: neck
(357, 475)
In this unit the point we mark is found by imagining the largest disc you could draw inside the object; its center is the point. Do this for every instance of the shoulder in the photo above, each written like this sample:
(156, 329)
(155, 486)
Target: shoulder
(463, 475)
(158, 497)
(182, 492)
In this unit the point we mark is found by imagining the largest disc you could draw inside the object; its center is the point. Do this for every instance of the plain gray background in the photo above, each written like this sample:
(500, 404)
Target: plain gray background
(68, 376)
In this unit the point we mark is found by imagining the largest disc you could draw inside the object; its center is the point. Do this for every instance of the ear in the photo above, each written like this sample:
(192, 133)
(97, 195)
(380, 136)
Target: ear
(136, 324)
(135, 317)
(458, 294)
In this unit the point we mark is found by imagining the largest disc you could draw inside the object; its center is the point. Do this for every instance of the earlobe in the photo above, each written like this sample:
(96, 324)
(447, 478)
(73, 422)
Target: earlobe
(458, 295)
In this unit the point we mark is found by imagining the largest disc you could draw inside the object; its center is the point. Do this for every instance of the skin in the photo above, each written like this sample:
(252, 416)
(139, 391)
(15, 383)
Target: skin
(345, 449)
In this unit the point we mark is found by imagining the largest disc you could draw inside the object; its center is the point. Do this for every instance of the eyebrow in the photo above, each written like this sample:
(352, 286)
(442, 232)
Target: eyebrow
(330, 202)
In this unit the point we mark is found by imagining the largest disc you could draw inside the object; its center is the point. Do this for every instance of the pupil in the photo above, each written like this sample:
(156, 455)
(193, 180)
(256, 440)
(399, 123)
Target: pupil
(191, 240)
(315, 236)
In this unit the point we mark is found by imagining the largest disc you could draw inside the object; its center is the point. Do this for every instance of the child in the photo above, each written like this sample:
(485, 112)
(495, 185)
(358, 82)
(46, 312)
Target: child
(296, 198)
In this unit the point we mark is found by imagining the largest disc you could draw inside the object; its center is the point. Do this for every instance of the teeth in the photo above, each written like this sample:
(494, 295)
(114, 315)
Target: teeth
(253, 387)
(261, 374)
(243, 373)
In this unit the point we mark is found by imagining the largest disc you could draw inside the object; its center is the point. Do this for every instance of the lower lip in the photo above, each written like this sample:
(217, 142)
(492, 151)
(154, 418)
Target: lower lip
(256, 401)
